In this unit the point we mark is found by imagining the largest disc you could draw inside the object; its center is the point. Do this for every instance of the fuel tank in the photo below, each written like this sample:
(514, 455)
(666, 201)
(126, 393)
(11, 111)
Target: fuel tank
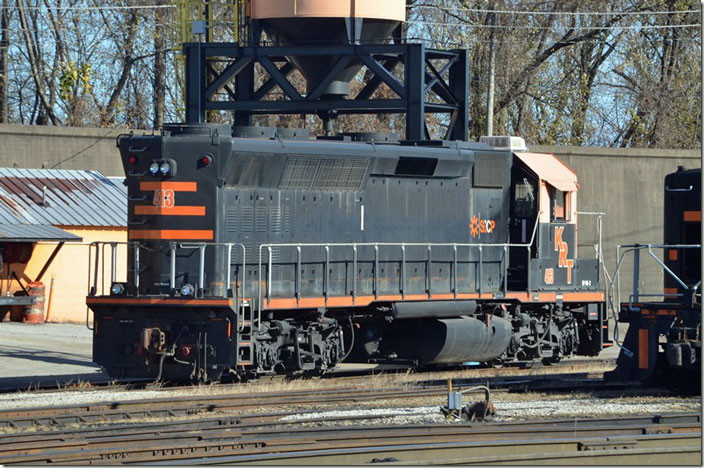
(447, 340)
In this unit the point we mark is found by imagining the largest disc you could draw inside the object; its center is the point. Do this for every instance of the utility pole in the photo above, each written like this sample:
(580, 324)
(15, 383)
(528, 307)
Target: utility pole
(4, 46)
(160, 44)
(490, 90)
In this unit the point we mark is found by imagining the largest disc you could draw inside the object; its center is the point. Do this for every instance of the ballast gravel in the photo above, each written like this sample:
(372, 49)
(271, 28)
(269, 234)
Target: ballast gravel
(508, 410)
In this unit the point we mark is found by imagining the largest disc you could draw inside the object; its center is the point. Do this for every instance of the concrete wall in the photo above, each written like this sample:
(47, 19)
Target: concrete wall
(626, 184)
(45, 147)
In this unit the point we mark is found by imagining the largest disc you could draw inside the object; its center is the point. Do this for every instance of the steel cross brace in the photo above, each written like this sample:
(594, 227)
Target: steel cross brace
(422, 80)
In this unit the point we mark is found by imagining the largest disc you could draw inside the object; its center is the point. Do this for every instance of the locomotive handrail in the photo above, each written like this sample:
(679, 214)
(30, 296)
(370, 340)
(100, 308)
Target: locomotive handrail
(635, 249)
(355, 245)
(173, 247)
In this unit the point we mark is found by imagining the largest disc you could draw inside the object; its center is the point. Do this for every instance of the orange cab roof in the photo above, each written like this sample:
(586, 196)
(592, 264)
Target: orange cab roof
(550, 169)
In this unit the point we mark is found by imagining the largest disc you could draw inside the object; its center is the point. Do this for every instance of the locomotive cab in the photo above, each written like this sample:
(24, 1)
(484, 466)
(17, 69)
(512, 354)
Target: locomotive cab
(544, 215)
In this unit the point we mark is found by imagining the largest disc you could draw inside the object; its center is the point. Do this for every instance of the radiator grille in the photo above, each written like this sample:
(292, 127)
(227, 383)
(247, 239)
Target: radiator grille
(327, 174)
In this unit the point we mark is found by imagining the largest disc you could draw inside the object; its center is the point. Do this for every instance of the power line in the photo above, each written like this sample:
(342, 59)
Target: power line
(543, 28)
(554, 13)
(85, 8)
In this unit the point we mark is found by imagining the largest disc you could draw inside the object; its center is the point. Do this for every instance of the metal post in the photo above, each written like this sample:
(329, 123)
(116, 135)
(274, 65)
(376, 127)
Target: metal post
(195, 99)
(454, 270)
(172, 280)
(430, 273)
(298, 274)
(95, 274)
(459, 73)
(505, 269)
(528, 266)
(201, 269)
(376, 271)
(113, 269)
(636, 273)
(228, 281)
(268, 274)
(415, 91)
(403, 271)
(480, 270)
(326, 275)
(136, 268)
(354, 272)
(490, 90)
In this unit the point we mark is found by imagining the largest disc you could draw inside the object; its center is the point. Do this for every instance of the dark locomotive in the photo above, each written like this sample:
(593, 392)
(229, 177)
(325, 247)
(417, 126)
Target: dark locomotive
(274, 254)
(663, 342)
(258, 251)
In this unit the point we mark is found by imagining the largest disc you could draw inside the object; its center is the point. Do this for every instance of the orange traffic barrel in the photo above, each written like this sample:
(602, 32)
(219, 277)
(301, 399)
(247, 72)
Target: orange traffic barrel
(34, 313)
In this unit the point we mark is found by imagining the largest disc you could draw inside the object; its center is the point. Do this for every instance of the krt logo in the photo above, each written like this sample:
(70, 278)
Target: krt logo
(164, 198)
(562, 247)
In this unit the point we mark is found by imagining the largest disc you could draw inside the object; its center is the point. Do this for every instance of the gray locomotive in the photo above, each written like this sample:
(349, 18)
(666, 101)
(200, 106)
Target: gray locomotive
(255, 251)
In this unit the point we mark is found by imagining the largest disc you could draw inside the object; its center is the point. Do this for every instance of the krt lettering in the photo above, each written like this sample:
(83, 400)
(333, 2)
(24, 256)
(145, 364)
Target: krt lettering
(562, 247)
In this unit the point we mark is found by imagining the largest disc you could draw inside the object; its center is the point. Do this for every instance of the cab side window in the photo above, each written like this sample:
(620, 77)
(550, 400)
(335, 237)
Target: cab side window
(524, 200)
(559, 201)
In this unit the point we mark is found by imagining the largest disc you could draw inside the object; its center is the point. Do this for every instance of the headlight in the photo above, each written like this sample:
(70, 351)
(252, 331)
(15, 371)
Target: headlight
(116, 289)
(165, 168)
(154, 168)
(187, 290)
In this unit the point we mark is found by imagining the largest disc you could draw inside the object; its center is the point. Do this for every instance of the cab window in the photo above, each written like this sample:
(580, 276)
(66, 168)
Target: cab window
(559, 203)
(524, 200)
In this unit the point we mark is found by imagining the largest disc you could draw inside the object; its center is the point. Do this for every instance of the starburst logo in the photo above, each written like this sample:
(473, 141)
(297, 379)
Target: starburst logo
(474, 226)
(481, 226)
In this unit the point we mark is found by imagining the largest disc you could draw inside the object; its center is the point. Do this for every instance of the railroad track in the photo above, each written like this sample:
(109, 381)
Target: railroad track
(180, 406)
(348, 373)
(292, 427)
(663, 439)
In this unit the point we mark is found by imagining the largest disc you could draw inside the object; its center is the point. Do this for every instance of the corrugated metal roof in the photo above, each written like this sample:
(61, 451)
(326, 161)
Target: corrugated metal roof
(29, 233)
(61, 198)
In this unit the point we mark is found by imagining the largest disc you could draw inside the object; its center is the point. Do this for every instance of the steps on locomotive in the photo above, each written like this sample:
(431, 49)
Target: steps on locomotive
(245, 346)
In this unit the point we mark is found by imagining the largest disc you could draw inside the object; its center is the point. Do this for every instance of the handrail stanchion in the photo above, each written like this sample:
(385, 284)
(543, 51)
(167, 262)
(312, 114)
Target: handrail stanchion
(403, 270)
(505, 270)
(92, 288)
(201, 269)
(172, 280)
(298, 274)
(244, 275)
(113, 269)
(636, 274)
(136, 268)
(354, 273)
(454, 270)
(480, 271)
(268, 273)
(376, 271)
(430, 273)
(228, 277)
(326, 274)
(97, 266)
(259, 286)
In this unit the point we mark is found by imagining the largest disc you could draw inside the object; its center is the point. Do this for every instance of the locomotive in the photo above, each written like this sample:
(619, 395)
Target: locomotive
(663, 341)
(252, 253)
(256, 250)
